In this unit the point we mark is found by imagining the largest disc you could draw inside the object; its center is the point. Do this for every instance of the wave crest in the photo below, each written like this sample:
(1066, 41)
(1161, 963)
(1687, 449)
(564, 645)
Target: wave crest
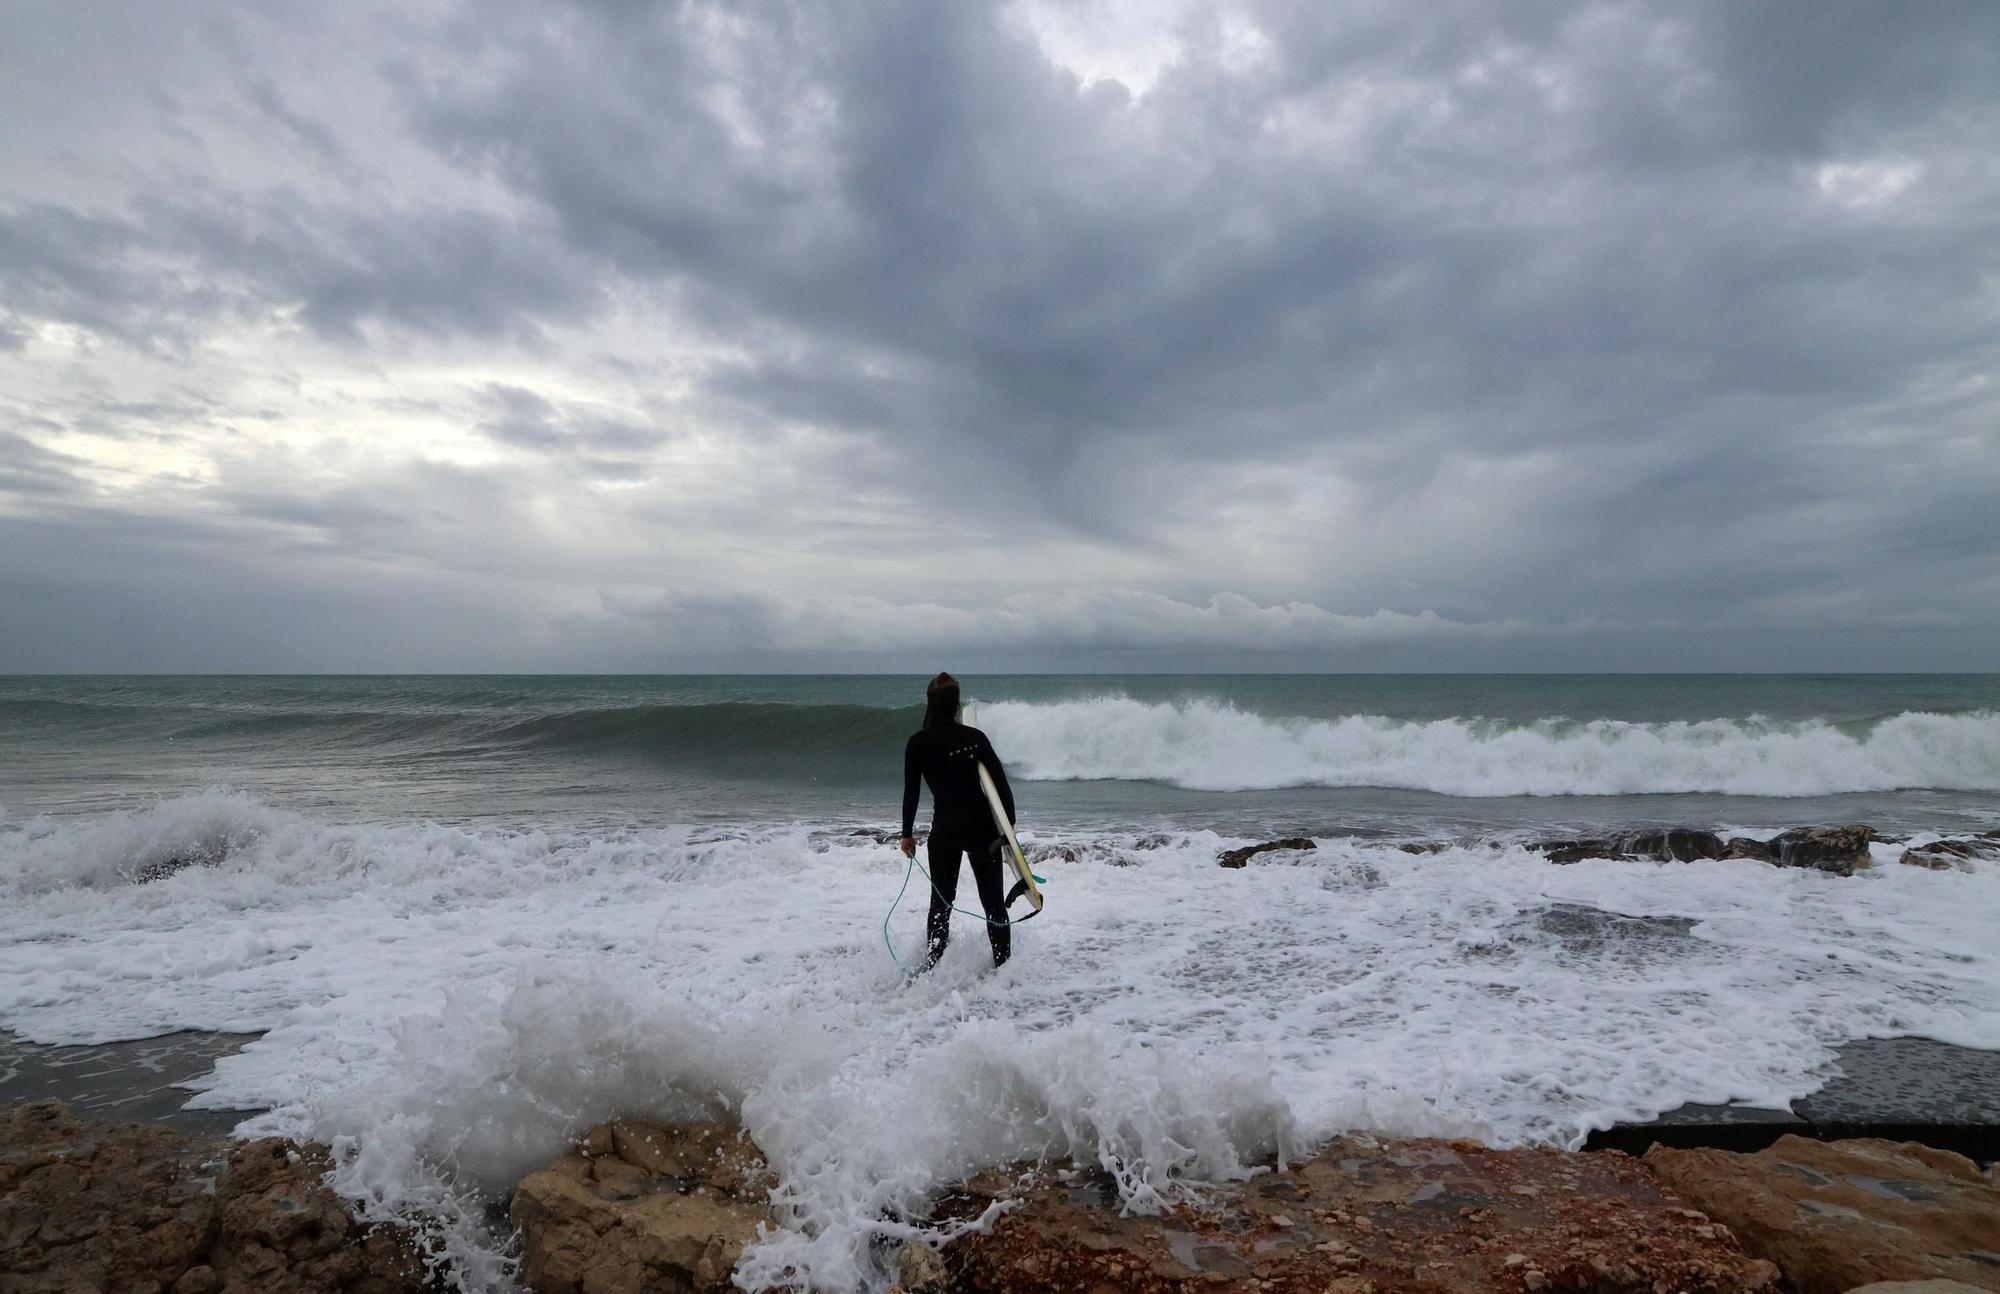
(1212, 746)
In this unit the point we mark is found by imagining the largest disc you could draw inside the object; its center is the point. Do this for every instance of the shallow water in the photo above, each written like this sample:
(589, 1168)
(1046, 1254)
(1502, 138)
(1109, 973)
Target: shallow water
(472, 917)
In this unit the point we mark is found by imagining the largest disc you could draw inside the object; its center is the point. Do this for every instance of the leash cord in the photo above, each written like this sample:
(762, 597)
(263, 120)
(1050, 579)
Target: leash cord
(907, 870)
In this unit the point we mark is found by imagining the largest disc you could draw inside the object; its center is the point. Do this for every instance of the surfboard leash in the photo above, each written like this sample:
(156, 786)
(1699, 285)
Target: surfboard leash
(1020, 888)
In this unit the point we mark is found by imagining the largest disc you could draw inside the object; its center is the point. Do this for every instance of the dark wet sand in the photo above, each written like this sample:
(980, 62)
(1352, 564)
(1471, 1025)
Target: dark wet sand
(123, 1081)
(1902, 1089)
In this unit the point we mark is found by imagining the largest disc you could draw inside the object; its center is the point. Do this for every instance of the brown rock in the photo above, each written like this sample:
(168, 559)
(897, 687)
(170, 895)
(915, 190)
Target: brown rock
(1840, 850)
(1240, 857)
(1942, 855)
(1835, 1215)
(920, 1271)
(144, 1207)
(667, 1206)
(1744, 847)
(1391, 1216)
(703, 1152)
(1917, 1287)
(198, 1280)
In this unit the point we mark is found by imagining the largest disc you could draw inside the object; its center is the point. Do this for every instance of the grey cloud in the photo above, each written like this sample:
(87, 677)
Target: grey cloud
(174, 269)
(33, 474)
(1053, 264)
(531, 421)
(1115, 619)
(1675, 318)
(311, 133)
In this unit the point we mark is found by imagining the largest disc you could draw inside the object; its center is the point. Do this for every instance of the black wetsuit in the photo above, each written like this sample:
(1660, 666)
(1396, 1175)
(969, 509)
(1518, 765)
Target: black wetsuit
(947, 758)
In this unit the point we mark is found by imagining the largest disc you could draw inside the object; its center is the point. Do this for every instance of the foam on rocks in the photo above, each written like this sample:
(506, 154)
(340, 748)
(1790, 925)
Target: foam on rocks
(641, 1206)
(447, 1008)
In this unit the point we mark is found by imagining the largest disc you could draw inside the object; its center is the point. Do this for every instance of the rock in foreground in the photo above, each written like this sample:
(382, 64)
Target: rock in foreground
(1839, 1214)
(642, 1206)
(92, 1206)
(1367, 1215)
(1840, 850)
(1943, 855)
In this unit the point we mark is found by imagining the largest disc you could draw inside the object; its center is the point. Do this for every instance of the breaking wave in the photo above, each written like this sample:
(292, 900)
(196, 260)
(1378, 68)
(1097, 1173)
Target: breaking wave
(1198, 743)
(1212, 746)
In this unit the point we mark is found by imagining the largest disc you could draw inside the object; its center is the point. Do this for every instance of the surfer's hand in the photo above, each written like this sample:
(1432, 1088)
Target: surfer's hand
(908, 844)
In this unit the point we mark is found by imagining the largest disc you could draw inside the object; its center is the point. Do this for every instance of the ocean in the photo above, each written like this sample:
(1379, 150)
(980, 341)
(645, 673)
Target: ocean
(470, 916)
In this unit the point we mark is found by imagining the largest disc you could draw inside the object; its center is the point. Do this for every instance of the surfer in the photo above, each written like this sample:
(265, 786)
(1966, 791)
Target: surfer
(946, 754)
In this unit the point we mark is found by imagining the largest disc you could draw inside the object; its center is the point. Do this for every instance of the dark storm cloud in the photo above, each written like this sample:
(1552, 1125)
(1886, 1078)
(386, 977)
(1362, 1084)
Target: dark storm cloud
(1405, 239)
(917, 185)
(1388, 323)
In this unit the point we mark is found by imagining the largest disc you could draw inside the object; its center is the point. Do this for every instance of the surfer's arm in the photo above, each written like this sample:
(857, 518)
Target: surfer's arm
(992, 762)
(911, 777)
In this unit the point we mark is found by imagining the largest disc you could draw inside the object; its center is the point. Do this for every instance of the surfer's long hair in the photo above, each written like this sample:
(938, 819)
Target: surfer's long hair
(941, 701)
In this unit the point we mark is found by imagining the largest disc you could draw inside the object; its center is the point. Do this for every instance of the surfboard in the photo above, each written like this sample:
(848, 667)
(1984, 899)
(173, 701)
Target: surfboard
(1013, 846)
(1015, 859)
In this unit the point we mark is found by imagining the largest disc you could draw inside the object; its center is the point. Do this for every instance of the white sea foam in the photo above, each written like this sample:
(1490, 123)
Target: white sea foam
(1213, 746)
(447, 1007)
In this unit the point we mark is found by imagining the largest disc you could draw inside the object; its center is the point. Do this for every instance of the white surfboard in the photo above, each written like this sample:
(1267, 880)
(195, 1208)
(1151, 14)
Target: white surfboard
(1013, 851)
(1015, 859)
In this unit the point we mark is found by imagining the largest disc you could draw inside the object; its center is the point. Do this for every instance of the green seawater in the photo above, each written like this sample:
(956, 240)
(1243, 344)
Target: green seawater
(1403, 756)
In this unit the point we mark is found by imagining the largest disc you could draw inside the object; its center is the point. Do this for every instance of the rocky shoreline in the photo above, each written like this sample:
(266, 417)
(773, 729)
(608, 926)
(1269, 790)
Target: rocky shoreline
(137, 1208)
(639, 1206)
(1719, 1201)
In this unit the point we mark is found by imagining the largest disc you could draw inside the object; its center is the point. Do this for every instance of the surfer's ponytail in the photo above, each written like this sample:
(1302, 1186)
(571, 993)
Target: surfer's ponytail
(941, 701)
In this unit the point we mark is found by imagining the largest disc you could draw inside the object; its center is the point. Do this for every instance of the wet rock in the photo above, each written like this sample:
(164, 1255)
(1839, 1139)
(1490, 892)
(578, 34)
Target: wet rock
(1840, 850)
(1946, 855)
(1917, 1287)
(1574, 851)
(1362, 1215)
(1834, 1215)
(1670, 845)
(640, 1206)
(1677, 845)
(920, 1271)
(143, 1207)
(1744, 847)
(1240, 857)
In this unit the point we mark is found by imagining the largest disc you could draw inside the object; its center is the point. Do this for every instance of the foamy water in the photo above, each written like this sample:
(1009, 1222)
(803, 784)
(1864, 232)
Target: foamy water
(448, 1006)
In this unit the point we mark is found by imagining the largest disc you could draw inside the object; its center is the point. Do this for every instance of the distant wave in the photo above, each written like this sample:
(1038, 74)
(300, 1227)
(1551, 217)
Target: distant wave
(1198, 744)
(1212, 746)
(744, 726)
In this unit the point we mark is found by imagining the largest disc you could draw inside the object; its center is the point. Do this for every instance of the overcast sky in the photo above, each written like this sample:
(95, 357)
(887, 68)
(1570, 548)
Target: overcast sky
(510, 335)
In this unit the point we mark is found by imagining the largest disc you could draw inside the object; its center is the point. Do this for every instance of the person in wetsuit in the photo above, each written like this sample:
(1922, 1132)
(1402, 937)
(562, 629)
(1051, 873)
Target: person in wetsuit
(946, 755)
